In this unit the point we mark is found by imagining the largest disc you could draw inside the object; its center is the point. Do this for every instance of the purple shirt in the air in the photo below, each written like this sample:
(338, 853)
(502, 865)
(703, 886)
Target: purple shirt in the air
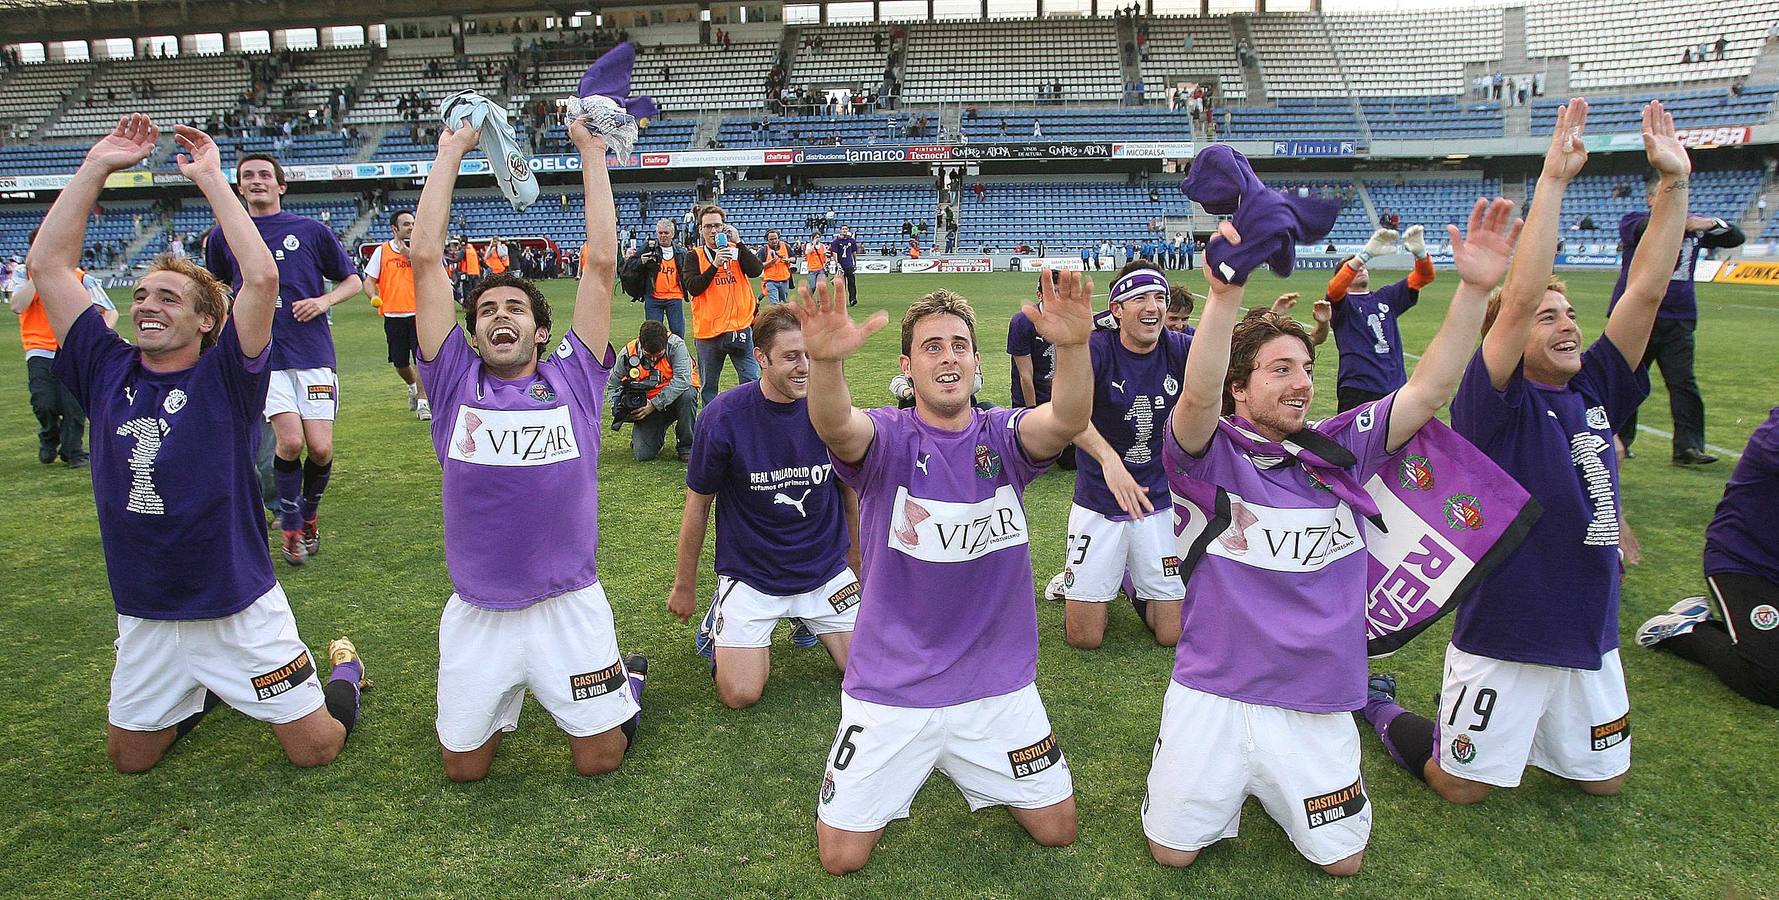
(846, 252)
(1369, 338)
(1133, 393)
(781, 522)
(173, 474)
(1741, 537)
(1023, 339)
(1554, 600)
(308, 256)
(947, 613)
(1275, 602)
(521, 471)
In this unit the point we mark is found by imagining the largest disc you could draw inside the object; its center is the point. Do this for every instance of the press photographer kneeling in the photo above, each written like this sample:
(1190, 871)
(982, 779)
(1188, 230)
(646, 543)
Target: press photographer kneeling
(651, 387)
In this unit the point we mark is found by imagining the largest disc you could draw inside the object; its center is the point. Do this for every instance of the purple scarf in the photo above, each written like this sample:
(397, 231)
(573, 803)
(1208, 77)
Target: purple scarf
(609, 76)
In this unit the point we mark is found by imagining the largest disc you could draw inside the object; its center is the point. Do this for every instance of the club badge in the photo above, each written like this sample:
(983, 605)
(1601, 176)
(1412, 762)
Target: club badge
(988, 462)
(1415, 473)
(1463, 512)
(1462, 749)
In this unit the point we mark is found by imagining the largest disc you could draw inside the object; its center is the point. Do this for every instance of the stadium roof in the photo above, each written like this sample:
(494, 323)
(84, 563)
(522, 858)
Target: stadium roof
(51, 20)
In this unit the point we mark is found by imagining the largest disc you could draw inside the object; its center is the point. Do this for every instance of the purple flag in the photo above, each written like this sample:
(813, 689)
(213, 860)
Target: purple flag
(1450, 515)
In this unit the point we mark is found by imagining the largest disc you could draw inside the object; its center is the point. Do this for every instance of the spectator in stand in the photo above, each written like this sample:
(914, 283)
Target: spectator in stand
(1723, 43)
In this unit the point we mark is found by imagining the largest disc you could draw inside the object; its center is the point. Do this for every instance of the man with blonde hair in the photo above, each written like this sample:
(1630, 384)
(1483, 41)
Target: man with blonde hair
(201, 617)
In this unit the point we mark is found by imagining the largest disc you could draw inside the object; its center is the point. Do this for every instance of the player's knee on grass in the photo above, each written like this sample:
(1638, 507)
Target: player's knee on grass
(1461, 791)
(735, 694)
(313, 740)
(135, 752)
(1608, 788)
(1168, 856)
(1164, 620)
(1346, 867)
(843, 852)
(473, 765)
(1084, 624)
(600, 754)
(1053, 826)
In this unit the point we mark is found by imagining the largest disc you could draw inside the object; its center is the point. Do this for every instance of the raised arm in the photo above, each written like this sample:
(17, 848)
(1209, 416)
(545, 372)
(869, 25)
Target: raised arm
(830, 336)
(435, 309)
(1481, 257)
(55, 253)
(1536, 254)
(1065, 319)
(1201, 398)
(599, 265)
(1647, 283)
(201, 162)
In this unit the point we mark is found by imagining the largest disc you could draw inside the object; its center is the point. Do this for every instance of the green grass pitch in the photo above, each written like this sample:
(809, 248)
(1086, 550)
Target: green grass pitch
(720, 803)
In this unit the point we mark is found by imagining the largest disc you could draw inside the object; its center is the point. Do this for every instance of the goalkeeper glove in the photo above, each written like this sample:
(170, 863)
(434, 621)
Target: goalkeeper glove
(1414, 240)
(1380, 243)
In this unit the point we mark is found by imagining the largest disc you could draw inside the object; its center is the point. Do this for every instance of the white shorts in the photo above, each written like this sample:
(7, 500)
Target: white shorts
(1214, 752)
(1497, 717)
(1101, 550)
(745, 617)
(253, 660)
(564, 649)
(999, 751)
(310, 393)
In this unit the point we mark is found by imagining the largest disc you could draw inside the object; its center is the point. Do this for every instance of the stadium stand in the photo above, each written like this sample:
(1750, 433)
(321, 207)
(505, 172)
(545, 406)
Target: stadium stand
(1168, 58)
(1064, 215)
(788, 131)
(1614, 44)
(1084, 125)
(850, 56)
(1414, 53)
(1692, 109)
(1296, 56)
(179, 89)
(34, 92)
(1009, 61)
(428, 77)
(1298, 118)
(1422, 118)
(1722, 194)
(1433, 203)
(26, 159)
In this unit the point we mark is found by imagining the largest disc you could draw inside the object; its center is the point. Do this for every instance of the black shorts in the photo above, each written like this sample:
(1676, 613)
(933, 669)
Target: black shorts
(404, 340)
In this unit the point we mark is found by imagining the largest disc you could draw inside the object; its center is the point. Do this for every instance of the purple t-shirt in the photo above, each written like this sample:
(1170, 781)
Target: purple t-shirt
(308, 256)
(1024, 340)
(1554, 600)
(947, 613)
(1276, 582)
(1133, 393)
(521, 471)
(1681, 300)
(781, 522)
(173, 472)
(1369, 339)
(1740, 537)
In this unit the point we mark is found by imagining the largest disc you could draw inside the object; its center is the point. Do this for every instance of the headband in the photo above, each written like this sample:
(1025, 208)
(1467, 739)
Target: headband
(1137, 283)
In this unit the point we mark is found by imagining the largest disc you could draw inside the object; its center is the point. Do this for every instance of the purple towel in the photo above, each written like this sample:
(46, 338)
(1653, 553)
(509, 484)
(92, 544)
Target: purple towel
(609, 76)
(1272, 223)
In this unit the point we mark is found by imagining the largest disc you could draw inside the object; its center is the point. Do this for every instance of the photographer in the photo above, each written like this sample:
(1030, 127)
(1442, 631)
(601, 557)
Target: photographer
(723, 303)
(656, 275)
(652, 387)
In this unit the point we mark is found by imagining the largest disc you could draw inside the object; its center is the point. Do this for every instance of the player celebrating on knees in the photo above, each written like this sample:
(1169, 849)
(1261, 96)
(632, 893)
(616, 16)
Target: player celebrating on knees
(1121, 483)
(1532, 676)
(389, 282)
(1364, 321)
(1271, 657)
(519, 436)
(304, 393)
(785, 527)
(944, 661)
(175, 426)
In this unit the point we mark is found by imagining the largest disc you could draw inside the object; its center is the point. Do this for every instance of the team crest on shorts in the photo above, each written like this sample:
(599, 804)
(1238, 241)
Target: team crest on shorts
(588, 685)
(1068, 576)
(319, 393)
(1335, 805)
(1462, 749)
(988, 462)
(1611, 734)
(542, 392)
(283, 678)
(175, 401)
(1415, 473)
(1463, 512)
(828, 787)
(1764, 617)
(1035, 758)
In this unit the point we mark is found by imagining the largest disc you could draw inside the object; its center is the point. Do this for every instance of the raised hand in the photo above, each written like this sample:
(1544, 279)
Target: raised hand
(1665, 152)
(1379, 243)
(128, 144)
(829, 333)
(460, 140)
(584, 138)
(1322, 312)
(1066, 316)
(1216, 286)
(200, 157)
(1414, 240)
(1482, 254)
(1283, 305)
(1567, 153)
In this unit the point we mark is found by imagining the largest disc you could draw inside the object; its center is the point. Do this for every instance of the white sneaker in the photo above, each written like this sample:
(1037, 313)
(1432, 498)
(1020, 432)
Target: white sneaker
(1053, 590)
(423, 410)
(413, 397)
(1680, 618)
